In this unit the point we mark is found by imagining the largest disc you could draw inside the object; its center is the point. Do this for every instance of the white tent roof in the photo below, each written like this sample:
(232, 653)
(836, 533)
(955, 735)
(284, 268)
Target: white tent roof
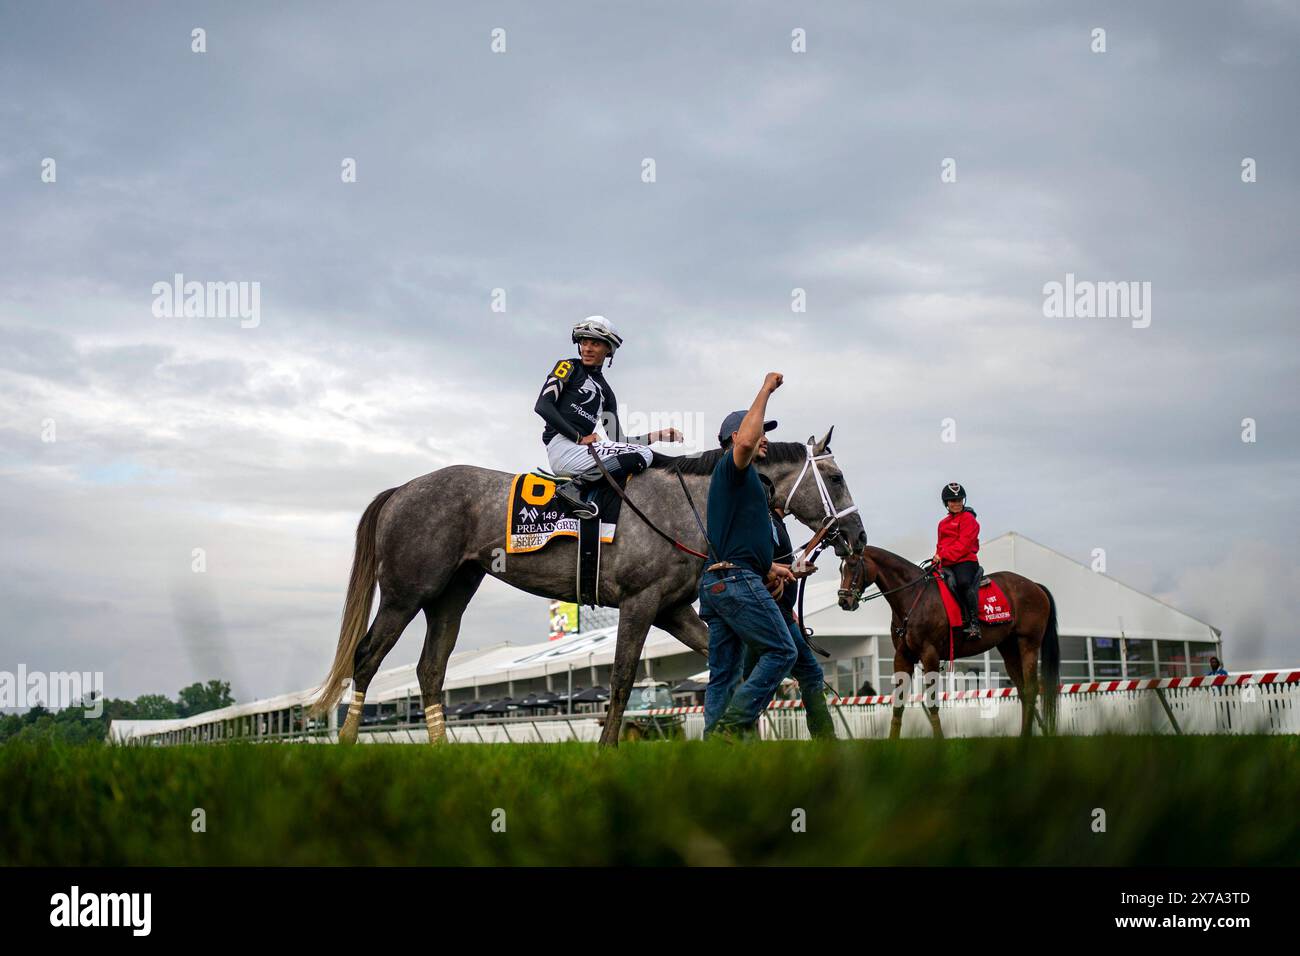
(507, 662)
(1088, 604)
(123, 729)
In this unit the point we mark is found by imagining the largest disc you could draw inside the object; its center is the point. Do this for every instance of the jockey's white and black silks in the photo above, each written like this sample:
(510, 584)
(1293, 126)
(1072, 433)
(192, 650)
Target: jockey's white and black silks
(574, 402)
(575, 399)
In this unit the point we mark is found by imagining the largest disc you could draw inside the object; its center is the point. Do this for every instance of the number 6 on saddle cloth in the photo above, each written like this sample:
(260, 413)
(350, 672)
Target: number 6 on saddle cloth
(539, 513)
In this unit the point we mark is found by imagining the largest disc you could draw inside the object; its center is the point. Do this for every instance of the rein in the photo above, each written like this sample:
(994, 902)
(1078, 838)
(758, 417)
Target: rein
(926, 575)
(803, 628)
(690, 500)
(902, 587)
(902, 631)
(641, 514)
(677, 470)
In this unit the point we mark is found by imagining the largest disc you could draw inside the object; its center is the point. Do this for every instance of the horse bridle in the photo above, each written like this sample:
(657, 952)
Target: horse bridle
(856, 592)
(831, 517)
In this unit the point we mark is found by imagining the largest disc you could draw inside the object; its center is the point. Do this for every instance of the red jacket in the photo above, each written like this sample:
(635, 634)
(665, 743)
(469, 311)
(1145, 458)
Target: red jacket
(959, 538)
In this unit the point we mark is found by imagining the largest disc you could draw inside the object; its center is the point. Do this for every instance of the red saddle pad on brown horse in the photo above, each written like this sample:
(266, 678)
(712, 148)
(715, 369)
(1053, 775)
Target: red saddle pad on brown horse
(994, 607)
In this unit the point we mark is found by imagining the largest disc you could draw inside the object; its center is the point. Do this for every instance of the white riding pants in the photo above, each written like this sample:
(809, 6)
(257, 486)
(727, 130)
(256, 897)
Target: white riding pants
(569, 458)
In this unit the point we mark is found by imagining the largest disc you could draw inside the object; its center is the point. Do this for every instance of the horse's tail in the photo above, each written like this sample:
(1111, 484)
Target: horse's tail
(356, 609)
(1051, 665)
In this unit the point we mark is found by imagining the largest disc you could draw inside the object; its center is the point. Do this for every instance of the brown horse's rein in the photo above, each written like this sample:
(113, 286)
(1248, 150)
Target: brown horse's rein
(925, 576)
(902, 631)
(902, 587)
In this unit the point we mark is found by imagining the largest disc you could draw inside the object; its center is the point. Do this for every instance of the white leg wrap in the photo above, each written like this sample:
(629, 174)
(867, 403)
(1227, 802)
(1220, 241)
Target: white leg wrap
(352, 722)
(435, 721)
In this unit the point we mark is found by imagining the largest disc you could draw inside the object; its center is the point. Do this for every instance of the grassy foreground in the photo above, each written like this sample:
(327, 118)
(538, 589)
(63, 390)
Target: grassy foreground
(1167, 801)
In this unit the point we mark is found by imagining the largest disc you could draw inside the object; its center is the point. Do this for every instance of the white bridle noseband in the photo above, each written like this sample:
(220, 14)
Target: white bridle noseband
(810, 464)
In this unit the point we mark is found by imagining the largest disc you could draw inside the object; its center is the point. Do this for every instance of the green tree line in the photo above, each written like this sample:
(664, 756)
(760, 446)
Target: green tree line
(72, 725)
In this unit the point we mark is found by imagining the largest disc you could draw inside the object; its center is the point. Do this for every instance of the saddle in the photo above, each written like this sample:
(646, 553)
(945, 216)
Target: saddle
(537, 516)
(994, 606)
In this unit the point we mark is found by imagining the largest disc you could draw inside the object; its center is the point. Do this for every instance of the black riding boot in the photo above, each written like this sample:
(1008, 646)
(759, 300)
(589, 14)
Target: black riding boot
(620, 468)
(973, 612)
(571, 491)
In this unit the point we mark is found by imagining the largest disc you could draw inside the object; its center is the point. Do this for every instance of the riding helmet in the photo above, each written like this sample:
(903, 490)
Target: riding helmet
(598, 327)
(953, 492)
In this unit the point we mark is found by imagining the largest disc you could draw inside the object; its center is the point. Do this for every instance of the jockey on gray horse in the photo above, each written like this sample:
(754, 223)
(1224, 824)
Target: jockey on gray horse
(575, 401)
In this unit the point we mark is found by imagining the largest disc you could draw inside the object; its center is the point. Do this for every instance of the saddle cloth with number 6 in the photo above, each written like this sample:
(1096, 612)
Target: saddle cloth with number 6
(536, 518)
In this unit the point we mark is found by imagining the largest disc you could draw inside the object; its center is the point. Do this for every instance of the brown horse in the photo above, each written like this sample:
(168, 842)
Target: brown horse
(921, 632)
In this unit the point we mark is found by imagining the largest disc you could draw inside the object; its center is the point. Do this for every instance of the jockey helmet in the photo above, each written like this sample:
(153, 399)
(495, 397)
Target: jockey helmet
(953, 492)
(597, 327)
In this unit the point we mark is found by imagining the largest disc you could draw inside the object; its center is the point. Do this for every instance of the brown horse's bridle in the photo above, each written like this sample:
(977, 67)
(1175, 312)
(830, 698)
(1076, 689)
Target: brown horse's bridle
(859, 569)
(855, 589)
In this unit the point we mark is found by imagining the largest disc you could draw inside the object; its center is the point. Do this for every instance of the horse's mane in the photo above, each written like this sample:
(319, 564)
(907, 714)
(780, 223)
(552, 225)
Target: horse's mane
(778, 453)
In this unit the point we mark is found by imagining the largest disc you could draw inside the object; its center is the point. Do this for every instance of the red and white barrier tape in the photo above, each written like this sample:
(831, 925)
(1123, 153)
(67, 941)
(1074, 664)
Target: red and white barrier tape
(1095, 687)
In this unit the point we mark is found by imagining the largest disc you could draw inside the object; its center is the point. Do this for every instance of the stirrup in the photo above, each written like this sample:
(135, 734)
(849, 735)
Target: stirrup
(579, 508)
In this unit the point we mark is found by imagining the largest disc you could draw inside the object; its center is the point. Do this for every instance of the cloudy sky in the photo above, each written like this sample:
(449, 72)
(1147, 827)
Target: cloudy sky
(127, 440)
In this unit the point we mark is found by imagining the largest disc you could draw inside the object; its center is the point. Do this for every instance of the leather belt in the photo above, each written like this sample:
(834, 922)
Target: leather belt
(721, 566)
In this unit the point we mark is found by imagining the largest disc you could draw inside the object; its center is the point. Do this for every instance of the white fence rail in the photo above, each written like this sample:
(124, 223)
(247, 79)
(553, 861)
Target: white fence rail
(1252, 703)
(516, 730)
(1264, 703)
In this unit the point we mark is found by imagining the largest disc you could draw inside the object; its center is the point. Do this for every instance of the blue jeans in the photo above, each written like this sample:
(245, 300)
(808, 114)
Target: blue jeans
(806, 671)
(742, 616)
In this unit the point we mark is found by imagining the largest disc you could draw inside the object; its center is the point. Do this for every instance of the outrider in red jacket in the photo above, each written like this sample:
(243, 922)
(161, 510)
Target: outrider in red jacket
(959, 538)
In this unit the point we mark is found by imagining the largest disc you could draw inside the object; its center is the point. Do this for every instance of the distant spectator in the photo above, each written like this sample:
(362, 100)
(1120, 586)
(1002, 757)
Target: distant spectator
(1216, 668)
(866, 690)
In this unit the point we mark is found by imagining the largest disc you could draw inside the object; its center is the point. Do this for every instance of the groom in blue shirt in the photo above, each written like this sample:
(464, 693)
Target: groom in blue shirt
(734, 599)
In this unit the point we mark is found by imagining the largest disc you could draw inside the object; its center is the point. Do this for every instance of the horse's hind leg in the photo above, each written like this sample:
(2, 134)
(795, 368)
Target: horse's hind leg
(1029, 691)
(684, 624)
(1010, 651)
(394, 614)
(443, 615)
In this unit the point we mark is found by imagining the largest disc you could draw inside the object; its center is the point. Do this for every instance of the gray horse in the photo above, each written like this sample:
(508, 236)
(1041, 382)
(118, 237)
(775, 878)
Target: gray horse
(429, 543)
